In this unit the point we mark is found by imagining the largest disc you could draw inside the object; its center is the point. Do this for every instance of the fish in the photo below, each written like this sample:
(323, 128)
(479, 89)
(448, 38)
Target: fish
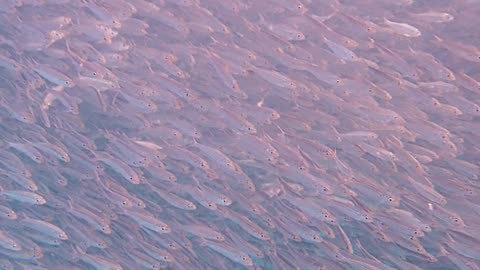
(433, 17)
(7, 213)
(175, 200)
(54, 151)
(44, 227)
(341, 51)
(24, 197)
(157, 253)
(18, 111)
(94, 31)
(297, 231)
(134, 27)
(121, 147)
(119, 167)
(84, 51)
(85, 238)
(9, 64)
(149, 222)
(204, 232)
(229, 252)
(27, 150)
(11, 163)
(403, 29)
(167, 18)
(216, 158)
(274, 77)
(8, 242)
(200, 196)
(429, 62)
(460, 241)
(286, 32)
(53, 76)
(181, 154)
(465, 51)
(96, 221)
(349, 210)
(6, 264)
(103, 15)
(99, 85)
(99, 262)
(246, 224)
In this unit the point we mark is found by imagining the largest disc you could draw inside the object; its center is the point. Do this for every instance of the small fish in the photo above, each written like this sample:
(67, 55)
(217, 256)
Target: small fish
(341, 51)
(53, 150)
(463, 50)
(229, 252)
(378, 152)
(44, 227)
(7, 213)
(132, 103)
(95, 220)
(274, 77)
(103, 15)
(199, 196)
(9, 64)
(346, 208)
(433, 17)
(149, 222)
(134, 27)
(297, 231)
(43, 239)
(53, 76)
(96, 83)
(18, 111)
(176, 200)
(84, 237)
(403, 29)
(119, 167)
(286, 32)
(140, 258)
(28, 150)
(246, 224)
(149, 145)
(99, 262)
(84, 51)
(216, 158)
(7, 242)
(6, 264)
(156, 252)
(204, 232)
(24, 197)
